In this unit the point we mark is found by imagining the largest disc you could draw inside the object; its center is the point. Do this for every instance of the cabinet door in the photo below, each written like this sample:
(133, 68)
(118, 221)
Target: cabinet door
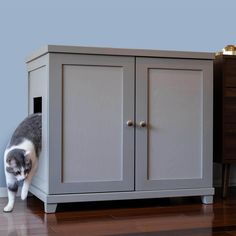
(174, 98)
(91, 147)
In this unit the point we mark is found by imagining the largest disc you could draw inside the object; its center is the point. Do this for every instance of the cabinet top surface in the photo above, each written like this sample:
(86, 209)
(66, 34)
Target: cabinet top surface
(119, 52)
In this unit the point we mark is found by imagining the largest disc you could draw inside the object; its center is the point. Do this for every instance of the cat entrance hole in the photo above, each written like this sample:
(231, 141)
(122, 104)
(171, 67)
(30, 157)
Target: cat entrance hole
(38, 105)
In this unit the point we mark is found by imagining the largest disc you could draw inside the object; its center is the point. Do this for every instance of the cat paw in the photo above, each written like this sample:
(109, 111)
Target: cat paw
(8, 208)
(24, 195)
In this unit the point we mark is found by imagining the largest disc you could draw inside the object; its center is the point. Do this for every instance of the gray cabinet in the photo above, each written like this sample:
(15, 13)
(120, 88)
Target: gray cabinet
(121, 124)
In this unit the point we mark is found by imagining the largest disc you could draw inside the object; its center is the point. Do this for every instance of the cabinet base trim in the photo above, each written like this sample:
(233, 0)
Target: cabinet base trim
(87, 197)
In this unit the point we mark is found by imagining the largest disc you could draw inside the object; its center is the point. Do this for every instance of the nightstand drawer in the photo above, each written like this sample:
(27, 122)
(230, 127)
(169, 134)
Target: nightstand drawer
(230, 79)
(230, 93)
(230, 147)
(230, 129)
(229, 112)
(230, 72)
(229, 117)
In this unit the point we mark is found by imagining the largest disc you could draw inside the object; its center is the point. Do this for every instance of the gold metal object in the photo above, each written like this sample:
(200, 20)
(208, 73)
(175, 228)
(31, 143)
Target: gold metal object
(130, 123)
(227, 50)
(230, 48)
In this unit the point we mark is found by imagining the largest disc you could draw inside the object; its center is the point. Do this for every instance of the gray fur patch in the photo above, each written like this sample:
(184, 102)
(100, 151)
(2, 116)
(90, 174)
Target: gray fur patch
(16, 160)
(17, 155)
(30, 128)
(13, 187)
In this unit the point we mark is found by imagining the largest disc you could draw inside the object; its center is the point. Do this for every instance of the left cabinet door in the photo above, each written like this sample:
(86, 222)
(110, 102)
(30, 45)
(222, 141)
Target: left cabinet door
(91, 147)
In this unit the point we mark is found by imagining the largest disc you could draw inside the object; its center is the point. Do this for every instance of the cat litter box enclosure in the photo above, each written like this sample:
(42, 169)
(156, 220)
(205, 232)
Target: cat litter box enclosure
(121, 124)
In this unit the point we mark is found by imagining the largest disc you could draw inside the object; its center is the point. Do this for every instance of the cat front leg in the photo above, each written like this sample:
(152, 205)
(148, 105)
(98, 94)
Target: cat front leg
(27, 182)
(12, 187)
(25, 189)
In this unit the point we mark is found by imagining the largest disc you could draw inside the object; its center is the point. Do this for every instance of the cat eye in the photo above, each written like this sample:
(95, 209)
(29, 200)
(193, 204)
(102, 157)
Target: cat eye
(10, 170)
(17, 173)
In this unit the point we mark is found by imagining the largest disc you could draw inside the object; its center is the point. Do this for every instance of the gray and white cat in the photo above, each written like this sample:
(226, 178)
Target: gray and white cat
(21, 157)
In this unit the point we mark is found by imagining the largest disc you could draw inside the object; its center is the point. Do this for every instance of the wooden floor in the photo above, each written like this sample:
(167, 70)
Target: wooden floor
(161, 217)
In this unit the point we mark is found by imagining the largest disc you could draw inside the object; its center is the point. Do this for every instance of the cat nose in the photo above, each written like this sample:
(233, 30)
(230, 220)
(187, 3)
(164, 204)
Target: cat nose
(20, 178)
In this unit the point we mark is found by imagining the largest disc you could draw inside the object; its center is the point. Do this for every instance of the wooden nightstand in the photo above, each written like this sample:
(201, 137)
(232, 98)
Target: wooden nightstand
(225, 115)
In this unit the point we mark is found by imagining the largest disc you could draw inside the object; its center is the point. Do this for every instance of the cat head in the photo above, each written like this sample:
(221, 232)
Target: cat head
(18, 163)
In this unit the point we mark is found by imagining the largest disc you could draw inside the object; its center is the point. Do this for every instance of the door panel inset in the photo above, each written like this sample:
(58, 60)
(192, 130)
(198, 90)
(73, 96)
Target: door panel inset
(175, 118)
(92, 123)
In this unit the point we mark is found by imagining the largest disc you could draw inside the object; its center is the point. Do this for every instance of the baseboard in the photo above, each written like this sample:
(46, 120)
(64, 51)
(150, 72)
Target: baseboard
(3, 192)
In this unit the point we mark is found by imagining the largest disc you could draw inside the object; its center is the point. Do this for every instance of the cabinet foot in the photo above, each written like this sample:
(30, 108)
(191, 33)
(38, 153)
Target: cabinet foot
(207, 199)
(50, 207)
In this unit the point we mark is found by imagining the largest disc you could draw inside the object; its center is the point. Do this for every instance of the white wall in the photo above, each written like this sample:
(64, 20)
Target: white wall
(203, 25)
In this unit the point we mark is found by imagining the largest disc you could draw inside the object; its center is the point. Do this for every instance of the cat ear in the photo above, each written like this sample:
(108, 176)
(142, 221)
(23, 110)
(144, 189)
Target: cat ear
(27, 157)
(27, 161)
(26, 153)
(10, 161)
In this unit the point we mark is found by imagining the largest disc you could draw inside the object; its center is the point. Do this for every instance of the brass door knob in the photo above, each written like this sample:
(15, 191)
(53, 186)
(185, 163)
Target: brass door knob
(130, 123)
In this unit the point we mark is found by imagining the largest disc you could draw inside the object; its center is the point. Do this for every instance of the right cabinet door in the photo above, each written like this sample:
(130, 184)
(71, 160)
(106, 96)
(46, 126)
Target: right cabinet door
(174, 124)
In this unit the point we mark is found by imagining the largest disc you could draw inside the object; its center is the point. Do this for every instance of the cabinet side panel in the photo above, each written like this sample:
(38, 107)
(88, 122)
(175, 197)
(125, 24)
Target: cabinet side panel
(92, 123)
(217, 109)
(37, 82)
(175, 118)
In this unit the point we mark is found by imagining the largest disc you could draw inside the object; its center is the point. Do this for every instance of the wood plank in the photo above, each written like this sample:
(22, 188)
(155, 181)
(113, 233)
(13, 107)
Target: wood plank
(165, 217)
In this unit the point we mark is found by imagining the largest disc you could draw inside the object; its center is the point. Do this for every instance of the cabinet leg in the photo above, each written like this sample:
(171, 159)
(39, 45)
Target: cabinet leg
(50, 207)
(208, 199)
(225, 179)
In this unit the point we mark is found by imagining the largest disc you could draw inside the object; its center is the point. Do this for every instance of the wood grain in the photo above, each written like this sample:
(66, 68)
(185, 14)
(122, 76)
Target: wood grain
(175, 216)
